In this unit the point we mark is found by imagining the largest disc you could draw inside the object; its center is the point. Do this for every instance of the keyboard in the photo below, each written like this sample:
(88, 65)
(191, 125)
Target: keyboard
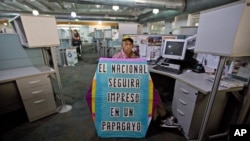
(167, 69)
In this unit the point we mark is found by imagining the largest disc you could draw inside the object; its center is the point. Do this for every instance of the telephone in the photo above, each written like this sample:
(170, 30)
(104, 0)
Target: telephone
(159, 60)
(199, 68)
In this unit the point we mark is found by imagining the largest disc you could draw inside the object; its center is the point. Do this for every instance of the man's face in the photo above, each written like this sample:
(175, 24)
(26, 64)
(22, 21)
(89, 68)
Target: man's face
(127, 46)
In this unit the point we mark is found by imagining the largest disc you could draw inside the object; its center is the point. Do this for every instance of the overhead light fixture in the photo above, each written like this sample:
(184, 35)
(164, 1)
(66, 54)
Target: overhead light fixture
(115, 7)
(99, 22)
(5, 24)
(73, 14)
(35, 12)
(155, 11)
(97, 6)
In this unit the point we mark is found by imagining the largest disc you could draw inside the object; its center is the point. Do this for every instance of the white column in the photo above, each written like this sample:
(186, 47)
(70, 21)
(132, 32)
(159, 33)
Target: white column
(168, 27)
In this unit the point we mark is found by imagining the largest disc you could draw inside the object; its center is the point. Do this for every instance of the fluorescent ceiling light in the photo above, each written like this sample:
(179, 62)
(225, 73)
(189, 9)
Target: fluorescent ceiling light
(5, 24)
(99, 22)
(115, 7)
(97, 6)
(73, 14)
(155, 11)
(35, 12)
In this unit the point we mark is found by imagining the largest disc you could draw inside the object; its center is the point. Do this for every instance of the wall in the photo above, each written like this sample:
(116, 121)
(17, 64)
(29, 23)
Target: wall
(140, 29)
(3, 26)
(127, 28)
(84, 32)
(171, 25)
(178, 22)
(168, 26)
(193, 19)
(144, 28)
(157, 27)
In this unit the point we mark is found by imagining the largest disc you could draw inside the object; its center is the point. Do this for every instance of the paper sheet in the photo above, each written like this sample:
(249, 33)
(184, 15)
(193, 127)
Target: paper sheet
(200, 57)
(143, 50)
(143, 46)
(212, 61)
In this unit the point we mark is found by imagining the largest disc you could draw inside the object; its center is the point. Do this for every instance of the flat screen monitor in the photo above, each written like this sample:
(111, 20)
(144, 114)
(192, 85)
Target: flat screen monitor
(174, 49)
(98, 34)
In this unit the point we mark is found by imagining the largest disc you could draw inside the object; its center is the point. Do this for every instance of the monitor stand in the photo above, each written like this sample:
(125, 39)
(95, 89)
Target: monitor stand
(172, 61)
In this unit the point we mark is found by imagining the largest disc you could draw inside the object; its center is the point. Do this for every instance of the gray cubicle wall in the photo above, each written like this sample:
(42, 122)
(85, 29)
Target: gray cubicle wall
(14, 55)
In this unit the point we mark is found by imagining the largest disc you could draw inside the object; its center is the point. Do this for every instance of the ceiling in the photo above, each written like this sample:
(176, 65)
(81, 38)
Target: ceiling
(129, 10)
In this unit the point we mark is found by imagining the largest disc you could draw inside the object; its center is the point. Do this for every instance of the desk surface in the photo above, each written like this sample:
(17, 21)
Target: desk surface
(13, 74)
(198, 81)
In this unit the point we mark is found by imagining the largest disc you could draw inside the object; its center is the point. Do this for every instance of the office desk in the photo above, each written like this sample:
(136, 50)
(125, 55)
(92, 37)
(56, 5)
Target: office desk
(13, 74)
(29, 87)
(196, 80)
(190, 98)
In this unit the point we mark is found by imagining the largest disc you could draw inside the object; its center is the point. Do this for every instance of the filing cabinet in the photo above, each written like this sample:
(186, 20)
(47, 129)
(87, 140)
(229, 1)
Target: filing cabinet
(183, 105)
(37, 96)
(189, 105)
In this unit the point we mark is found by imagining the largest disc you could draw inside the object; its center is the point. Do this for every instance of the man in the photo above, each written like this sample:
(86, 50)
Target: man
(127, 46)
(126, 53)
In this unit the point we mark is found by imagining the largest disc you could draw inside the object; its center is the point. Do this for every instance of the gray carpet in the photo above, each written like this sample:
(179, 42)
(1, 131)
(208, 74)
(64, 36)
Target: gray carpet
(75, 125)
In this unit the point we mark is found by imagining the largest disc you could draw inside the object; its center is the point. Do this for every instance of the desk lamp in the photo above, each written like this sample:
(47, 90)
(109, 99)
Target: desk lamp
(223, 31)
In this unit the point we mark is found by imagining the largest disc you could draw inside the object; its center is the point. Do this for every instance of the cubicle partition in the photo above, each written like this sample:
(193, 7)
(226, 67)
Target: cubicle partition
(28, 62)
(24, 79)
(12, 56)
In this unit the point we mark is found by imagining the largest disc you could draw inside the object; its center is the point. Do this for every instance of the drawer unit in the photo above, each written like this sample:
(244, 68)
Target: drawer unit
(37, 96)
(183, 118)
(185, 91)
(34, 81)
(35, 91)
(183, 105)
(183, 110)
(40, 106)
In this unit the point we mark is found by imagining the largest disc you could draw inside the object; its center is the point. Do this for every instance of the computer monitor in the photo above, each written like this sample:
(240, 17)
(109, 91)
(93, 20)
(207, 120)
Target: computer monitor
(107, 34)
(174, 49)
(98, 34)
